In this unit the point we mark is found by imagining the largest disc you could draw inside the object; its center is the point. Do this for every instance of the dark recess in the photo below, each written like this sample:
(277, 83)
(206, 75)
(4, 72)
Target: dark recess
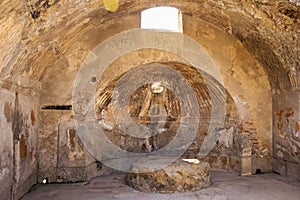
(57, 107)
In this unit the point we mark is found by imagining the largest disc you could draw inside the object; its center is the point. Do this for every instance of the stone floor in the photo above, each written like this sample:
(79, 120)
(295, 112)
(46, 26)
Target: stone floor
(225, 186)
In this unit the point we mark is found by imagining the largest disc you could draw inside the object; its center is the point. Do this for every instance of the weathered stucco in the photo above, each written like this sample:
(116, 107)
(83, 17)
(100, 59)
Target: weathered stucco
(254, 44)
(286, 137)
(18, 144)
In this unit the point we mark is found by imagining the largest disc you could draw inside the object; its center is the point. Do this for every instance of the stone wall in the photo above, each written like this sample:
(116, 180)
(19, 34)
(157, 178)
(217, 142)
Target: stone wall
(6, 144)
(62, 156)
(247, 83)
(253, 43)
(18, 166)
(244, 79)
(286, 159)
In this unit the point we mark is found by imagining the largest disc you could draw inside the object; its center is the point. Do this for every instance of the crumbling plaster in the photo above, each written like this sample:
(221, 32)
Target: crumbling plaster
(254, 43)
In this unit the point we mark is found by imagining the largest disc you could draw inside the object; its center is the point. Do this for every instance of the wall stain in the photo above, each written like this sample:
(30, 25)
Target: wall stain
(33, 118)
(18, 120)
(8, 111)
(31, 154)
(23, 147)
(287, 137)
(297, 127)
(71, 138)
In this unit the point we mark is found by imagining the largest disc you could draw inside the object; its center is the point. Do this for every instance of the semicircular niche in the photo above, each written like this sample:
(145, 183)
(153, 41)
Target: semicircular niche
(157, 107)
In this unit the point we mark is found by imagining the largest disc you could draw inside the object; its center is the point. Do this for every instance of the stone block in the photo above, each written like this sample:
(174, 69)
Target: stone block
(179, 176)
(293, 170)
(234, 164)
(280, 166)
(246, 165)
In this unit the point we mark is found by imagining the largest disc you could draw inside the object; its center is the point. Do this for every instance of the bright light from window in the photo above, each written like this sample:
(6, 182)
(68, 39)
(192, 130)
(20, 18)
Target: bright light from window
(194, 161)
(165, 18)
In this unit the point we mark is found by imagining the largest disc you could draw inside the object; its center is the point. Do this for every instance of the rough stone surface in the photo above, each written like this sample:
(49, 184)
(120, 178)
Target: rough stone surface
(286, 135)
(62, 157)
(254, 43)
(18, 166)
(179, 176)
(6, 143)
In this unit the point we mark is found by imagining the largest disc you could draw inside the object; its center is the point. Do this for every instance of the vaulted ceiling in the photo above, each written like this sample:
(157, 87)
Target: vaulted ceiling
(35, 33)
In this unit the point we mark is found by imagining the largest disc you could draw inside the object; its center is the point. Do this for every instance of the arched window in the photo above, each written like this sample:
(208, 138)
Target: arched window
(162, 18)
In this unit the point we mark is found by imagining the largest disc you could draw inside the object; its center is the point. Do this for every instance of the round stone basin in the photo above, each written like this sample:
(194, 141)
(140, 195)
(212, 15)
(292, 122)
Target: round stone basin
(180, 176)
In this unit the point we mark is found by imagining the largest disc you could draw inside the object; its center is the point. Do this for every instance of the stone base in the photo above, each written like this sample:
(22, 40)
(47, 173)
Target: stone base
(287, 168)
(179, 176)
